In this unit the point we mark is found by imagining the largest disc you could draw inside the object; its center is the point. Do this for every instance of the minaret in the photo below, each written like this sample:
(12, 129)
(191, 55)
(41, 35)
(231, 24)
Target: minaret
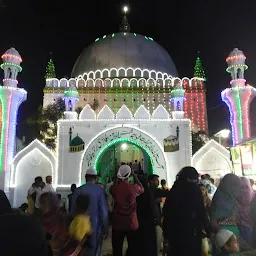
(177, 99)
(71, 98)
(11, 97)
(195, 105)
(238, 97)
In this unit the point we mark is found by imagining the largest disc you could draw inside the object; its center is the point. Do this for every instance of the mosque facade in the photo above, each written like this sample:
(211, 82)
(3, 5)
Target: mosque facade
(128, 90)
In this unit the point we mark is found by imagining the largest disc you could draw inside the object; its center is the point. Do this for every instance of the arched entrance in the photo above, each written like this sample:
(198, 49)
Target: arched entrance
(134, 136)
(122, 151)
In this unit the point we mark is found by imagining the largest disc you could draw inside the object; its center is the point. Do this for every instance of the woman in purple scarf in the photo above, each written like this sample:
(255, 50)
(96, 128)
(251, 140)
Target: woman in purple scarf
(244, 208)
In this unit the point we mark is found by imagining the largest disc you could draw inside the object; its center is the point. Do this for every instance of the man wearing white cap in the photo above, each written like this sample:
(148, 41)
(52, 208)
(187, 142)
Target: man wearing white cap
(226, 241)
(125, 221)
(98, 211)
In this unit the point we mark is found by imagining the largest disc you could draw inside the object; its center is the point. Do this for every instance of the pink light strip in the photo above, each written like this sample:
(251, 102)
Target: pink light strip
(7, 131)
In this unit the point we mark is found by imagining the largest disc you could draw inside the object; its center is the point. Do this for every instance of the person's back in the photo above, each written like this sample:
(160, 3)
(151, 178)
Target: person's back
(124, 211)
(125, 221)
(97, 211)
(184, 215)
(98, 202)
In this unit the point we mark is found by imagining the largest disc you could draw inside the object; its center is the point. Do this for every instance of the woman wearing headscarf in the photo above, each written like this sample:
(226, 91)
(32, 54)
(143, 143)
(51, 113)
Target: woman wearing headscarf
(146, 237)
(224, 209)
(184, 215)
(244, 210)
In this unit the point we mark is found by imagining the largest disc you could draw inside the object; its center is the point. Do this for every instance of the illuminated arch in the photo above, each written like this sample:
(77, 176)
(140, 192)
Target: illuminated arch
(117, 141)
(138, 137)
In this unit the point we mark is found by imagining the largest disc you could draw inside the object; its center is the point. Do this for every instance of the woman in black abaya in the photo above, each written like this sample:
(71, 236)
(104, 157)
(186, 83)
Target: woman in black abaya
(184, 215)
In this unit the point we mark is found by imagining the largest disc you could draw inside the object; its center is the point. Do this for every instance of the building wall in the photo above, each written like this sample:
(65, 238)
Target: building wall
(150, 96)
(69, 164)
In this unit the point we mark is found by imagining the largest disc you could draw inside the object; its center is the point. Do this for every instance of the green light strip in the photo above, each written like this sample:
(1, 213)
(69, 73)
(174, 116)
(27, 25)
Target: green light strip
(239, 113)
(122, 140)
(11, 64)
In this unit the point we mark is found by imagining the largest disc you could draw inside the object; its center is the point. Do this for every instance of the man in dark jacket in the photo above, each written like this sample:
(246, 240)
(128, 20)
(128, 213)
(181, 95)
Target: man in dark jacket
(156, 195)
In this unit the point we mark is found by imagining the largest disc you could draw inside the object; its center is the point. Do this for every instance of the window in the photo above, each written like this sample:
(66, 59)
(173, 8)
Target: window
(134, 99)
(114, 99)
(124, 99)
(144, 100)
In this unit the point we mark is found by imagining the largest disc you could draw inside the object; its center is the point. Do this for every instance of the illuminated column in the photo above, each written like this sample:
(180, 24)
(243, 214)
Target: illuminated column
(71, 98)
(11, 97)
(238, 97)
(177, 99)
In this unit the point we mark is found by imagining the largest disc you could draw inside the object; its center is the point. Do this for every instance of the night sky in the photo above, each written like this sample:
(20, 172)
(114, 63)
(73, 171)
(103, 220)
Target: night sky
(214, 28)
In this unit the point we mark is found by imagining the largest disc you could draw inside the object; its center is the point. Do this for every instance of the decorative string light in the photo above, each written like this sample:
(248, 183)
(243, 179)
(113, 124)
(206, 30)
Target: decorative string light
(238, 98)
(11, 64)
(8, 55)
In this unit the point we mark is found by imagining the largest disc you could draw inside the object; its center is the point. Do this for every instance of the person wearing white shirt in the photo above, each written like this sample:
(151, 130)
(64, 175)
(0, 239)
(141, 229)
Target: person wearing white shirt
(37, 189)
(48, 186)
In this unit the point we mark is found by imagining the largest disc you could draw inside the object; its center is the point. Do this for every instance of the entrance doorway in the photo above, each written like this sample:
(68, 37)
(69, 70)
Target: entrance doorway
(122, 152)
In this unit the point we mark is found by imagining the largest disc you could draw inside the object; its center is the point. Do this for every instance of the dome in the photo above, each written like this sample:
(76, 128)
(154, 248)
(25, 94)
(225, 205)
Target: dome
(76, 145)
(236, 57)
(12, 56)
(124, 50)
(77, 141)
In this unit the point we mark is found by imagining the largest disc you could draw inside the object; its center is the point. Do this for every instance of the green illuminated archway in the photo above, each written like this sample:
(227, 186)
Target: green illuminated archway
(150, 169)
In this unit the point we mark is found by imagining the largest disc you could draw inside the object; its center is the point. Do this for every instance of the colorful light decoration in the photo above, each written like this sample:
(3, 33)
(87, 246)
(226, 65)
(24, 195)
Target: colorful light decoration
(8, 55)
(238, 98)
(50, 70)
(10, 98)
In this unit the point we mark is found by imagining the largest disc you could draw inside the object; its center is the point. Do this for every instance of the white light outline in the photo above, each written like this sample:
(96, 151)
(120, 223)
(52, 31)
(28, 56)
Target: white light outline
(17, 170)
(208, 151)
(124, 108)
(159, 108)
(35, 144)
(91, 76)
(160, 147)
(144, 109)
(106, 109)
(211, 144)
(87, 108)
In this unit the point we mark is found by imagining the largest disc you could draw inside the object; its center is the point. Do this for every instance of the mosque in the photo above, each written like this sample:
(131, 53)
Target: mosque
(131, 99)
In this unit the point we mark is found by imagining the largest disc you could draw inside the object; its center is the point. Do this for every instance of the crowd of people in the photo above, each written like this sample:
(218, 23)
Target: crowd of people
(193, 217)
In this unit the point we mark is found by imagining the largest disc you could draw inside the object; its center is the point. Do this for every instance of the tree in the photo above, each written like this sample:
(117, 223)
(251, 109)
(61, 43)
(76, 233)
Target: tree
(50, 70)
(48, 122)
(198, 140)
(198, 69)
(43, 125)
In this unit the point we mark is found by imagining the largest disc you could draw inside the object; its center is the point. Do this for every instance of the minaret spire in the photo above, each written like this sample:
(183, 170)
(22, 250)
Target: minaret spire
(50, 69)
(125, 26)
(198, 69)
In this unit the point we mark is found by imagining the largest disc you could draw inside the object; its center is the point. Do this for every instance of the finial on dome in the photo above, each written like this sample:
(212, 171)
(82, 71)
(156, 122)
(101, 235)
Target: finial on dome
(125, 26)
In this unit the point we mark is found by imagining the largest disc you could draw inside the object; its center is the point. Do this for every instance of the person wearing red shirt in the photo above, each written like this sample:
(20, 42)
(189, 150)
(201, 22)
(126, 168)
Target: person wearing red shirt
(125, 221)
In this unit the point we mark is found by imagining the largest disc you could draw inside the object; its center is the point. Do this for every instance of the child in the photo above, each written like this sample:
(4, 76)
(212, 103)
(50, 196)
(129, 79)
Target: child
(80, 228)
(226, 241)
